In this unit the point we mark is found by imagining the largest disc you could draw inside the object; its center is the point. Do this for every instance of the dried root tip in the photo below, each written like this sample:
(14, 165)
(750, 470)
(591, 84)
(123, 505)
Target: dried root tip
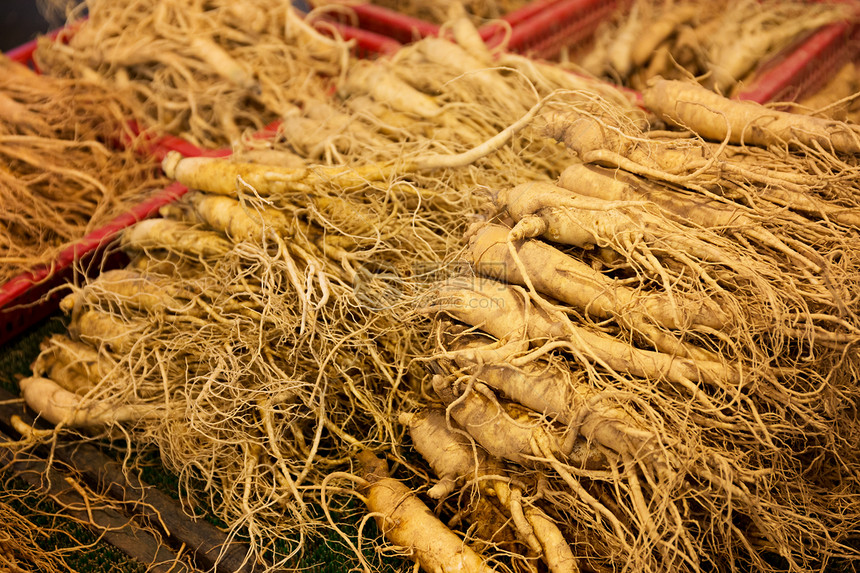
(68, 302)
(26, 430)
(557, 553)
(222, 62)
(466, 34)
(528, 227)
(170, 163)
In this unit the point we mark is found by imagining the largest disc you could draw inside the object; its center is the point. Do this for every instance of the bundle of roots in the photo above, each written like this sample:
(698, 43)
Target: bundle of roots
(205, 71)
(267, 328)
(63, 171)
(723, 43)
(639, 356)
(655, 352)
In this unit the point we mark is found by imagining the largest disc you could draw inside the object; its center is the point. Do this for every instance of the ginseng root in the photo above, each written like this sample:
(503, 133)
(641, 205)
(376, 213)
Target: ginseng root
(58, 406)
(716, 117)
(174, 236)
(219, 175)
(73, 365)
(507, 314)
(565, 278)
(561, 394)
(454, 457)
(563, 216)
(406, 521)
(128, 288)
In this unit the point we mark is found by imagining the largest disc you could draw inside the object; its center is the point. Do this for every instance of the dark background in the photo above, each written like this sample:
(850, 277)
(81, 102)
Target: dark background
(21, 21)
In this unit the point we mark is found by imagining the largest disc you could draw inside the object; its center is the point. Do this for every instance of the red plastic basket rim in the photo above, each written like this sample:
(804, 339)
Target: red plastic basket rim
(562, 17)
(773, 83)
(396, 25)
(523, 19)
(406, 28)
(366, 40)
(19, 285)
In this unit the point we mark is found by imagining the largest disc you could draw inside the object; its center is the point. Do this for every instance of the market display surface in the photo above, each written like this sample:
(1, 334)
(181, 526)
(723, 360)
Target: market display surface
(448, 307)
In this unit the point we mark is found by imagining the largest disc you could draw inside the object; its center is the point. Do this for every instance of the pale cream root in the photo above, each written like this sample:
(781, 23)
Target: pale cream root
(61, 407)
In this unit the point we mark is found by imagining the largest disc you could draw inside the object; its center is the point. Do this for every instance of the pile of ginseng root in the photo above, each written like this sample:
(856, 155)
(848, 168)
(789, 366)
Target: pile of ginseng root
(68, 164)
(656, 353)
(721, 43)
(528, 326)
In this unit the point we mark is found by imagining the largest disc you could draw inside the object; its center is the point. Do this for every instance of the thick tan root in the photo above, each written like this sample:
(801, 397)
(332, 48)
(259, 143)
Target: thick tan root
(561, 394)
(716, 117)
(99, 328)
(174, 236)
(452, 455)
(407, 522)
(506, 429)
(74, 366)
(565, 278)
(128, 288)
(728, 217)
(59, 406)
(506, 314)
(226, 177)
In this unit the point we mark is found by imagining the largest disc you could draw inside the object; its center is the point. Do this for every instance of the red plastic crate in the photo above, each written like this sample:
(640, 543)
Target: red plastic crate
(805, 69)
(33, 296)
(541, 29)
(385, 22)
(368, 44)
(405, 29)
(544, 28)
(559, 25)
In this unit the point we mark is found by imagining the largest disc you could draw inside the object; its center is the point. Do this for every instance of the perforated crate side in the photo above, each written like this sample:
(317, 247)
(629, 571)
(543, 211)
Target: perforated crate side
(368, 43)
(494, 32)
(561, 25)
(390, 23)
(808, 67)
